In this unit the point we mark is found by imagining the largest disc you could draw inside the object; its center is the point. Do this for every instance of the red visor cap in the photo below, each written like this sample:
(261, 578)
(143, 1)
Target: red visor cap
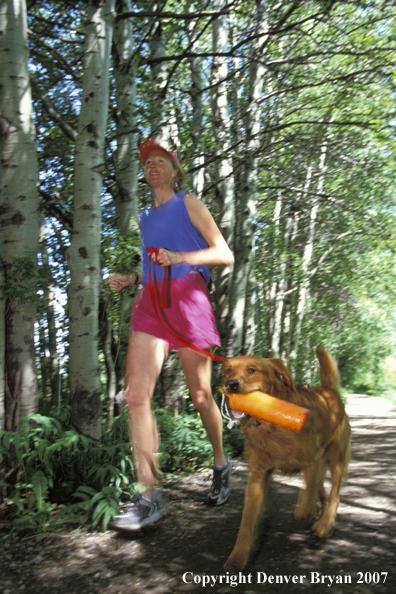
(150, 144)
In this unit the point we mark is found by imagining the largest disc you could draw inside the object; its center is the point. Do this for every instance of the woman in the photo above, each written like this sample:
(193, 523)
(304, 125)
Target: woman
(189, 243)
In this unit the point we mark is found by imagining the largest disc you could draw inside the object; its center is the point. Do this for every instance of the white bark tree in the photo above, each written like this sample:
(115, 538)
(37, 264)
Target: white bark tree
(285, 237)
(84, 255)
(126, 164)
(197, 161)
(242, 307)
(223, 171)
(49, 302)
(2, 342)
(19, 216)
(160, 123)
(307, 260)
(279, 283)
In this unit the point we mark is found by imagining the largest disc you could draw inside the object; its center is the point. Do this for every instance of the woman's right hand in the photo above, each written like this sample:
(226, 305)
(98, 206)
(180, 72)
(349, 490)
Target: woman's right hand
(118, 282)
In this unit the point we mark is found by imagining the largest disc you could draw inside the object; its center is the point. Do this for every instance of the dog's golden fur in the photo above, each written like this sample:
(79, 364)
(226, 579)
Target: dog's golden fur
(325, 442)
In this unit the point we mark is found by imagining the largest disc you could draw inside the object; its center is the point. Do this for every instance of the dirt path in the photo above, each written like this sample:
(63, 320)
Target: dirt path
(194, 540)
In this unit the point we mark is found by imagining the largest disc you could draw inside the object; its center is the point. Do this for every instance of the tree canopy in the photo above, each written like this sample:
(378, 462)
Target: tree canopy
(283, 115)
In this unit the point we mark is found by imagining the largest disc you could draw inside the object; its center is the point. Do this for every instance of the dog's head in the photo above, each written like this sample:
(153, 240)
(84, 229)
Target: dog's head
(242, 375)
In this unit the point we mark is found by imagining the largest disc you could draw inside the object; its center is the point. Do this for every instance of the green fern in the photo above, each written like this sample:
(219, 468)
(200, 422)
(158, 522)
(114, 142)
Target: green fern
(47, 462)
(103, 504)
(40, 491)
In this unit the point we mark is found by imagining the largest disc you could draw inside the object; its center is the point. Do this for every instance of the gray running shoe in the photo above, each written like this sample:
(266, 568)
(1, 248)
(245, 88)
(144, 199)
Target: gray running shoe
(139, 513)
(220, 490)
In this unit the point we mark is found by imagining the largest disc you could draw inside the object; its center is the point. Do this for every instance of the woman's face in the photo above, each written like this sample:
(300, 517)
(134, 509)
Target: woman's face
(159, 170)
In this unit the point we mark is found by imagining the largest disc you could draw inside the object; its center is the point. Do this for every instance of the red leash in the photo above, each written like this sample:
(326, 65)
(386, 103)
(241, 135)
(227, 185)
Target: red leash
(164, 303)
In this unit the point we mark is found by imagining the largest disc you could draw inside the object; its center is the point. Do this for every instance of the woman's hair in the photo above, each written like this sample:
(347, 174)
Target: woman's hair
(177, 182)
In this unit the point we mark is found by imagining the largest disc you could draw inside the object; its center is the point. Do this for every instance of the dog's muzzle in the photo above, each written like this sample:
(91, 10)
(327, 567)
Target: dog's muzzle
(231, 386)
(234, 387)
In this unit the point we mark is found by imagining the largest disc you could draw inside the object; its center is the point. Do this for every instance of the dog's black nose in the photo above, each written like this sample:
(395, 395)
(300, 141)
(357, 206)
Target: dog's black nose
(232, 385)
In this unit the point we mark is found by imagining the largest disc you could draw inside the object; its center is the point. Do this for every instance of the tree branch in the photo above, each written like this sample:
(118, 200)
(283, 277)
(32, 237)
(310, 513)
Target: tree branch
(186, 16)
(58, 57)
(57, 118)
(55, 211)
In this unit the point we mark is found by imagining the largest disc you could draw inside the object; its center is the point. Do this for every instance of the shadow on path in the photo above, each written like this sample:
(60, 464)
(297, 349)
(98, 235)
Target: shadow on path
(194, 540)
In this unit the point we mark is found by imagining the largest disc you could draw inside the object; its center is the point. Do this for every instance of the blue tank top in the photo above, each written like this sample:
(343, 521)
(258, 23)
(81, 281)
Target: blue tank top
(169, 226)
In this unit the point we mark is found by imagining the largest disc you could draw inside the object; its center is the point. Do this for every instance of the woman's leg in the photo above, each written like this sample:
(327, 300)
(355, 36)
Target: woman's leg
(145, 358)
(198, 372)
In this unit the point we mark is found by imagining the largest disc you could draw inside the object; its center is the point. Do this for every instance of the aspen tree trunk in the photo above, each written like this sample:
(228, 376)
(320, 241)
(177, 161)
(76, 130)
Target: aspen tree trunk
(19, 220)
(307, 262)
(237, 130)
(282, 280)
(273, 289)
(197, 162)
(44, 363)
(110, 367)
(223, 174)
(52, 347)
(126, 170)
(160, 125)
(279, 297)
(53, 364)
(84, 257)
(242, 310)
(2, 363)
(2, 343)
(126, 165)
(289, 314)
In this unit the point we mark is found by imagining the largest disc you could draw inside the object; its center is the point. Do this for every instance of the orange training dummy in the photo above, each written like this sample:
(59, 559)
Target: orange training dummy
(267, 408)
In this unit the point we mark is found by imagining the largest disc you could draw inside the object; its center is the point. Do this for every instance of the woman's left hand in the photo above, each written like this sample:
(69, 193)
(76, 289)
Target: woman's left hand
(166, 257)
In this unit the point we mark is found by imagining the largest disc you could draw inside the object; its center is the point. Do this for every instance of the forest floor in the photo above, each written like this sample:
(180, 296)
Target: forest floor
(194, 540)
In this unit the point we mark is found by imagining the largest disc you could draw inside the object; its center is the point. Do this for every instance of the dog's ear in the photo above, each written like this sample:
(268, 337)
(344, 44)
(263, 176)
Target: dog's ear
(283, 373)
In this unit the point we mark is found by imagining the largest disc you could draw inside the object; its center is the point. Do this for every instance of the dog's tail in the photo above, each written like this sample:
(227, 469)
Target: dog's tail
(329, 376)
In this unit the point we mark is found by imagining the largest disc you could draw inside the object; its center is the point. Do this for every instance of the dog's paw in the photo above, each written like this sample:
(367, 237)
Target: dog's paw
(305, 511)
(322, 528)
(236, 561)
(303, 515)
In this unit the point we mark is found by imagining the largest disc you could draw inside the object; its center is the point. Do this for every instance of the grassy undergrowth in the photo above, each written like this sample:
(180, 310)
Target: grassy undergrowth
(53, 475)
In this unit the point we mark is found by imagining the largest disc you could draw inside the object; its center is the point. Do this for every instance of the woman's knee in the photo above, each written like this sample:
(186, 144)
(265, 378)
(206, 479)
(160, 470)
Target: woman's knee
(135, 398)
(202, 400)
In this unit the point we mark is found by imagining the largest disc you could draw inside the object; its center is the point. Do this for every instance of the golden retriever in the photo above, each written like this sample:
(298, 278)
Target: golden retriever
(324, 442)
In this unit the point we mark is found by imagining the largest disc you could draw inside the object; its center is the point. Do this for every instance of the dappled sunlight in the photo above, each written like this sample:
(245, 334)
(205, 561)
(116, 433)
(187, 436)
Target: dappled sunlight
(196, 538)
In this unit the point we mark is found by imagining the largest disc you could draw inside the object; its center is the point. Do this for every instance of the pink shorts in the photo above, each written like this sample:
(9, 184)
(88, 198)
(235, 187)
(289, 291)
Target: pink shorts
(189, 313)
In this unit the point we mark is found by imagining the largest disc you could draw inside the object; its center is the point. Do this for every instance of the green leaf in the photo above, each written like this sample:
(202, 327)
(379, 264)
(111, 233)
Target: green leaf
(40, 488)
(109, 513)
(85, 492)
(96, 498)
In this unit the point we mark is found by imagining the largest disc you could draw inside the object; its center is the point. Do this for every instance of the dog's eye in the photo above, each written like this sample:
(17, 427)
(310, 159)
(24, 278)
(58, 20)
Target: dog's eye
(251, 370)
(227, 371)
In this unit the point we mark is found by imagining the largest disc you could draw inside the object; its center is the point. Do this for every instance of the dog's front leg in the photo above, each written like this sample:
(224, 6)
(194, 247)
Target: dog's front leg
(252, 510)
